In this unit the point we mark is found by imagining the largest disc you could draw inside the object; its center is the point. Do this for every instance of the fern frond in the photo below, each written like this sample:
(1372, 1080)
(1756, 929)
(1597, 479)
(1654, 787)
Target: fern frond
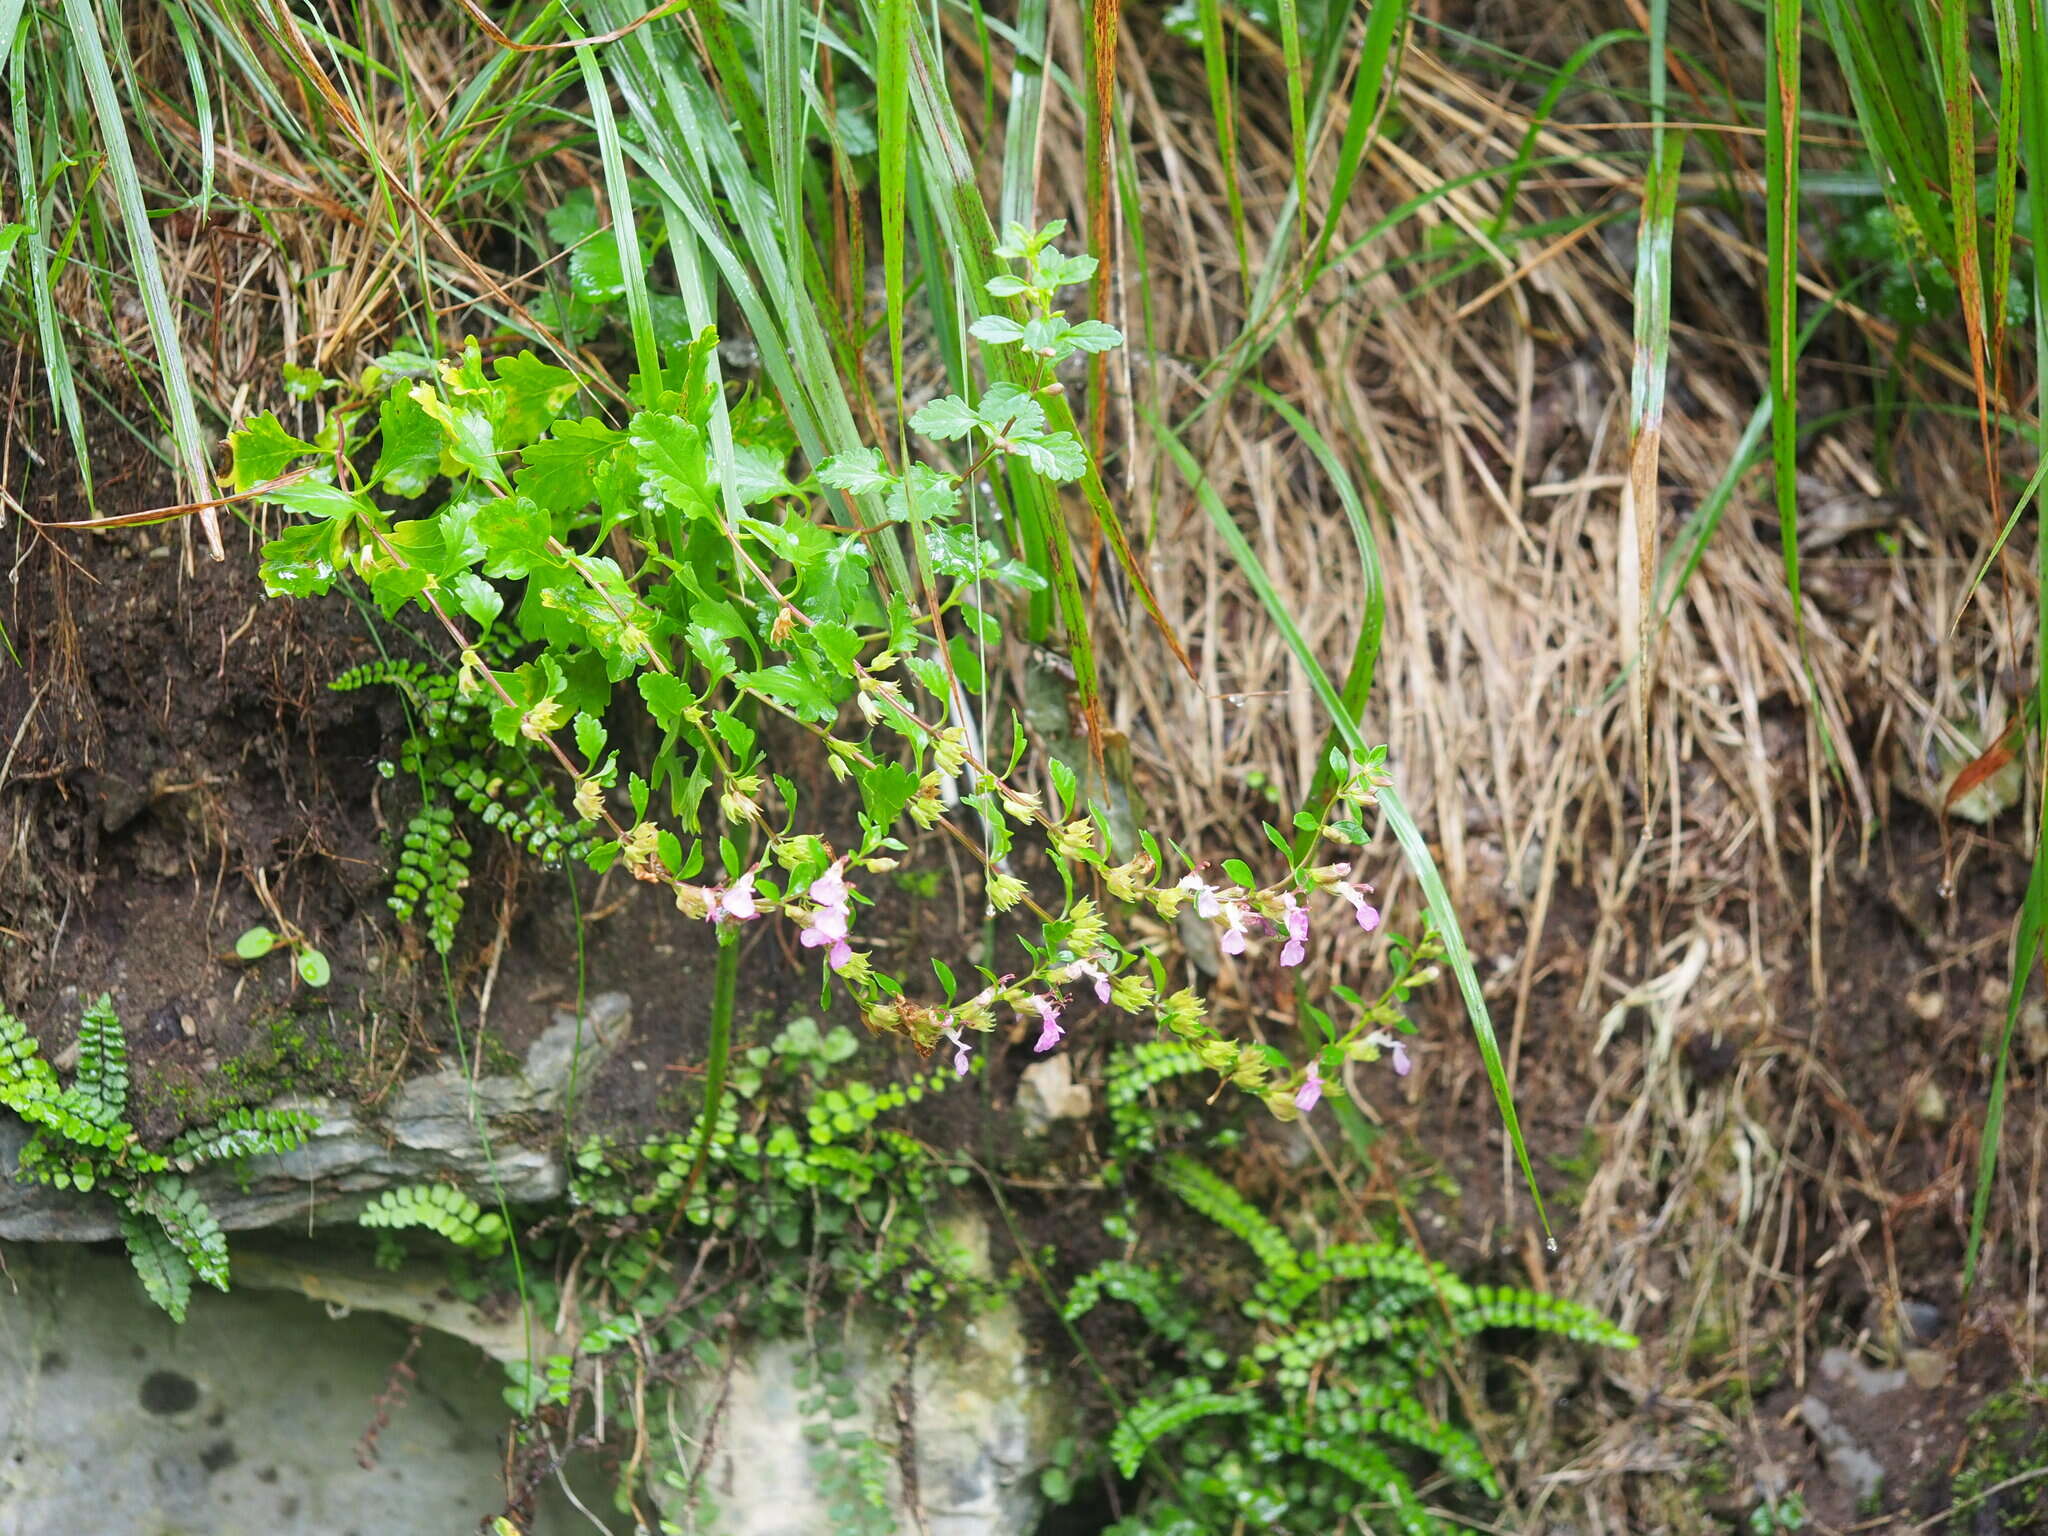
(166, 1273)
(187, 1222)
(1208, 1195)
(1154, 1418)
(100, 1086)
(1389, 1263)
(1509, 1306)
(442, 1209)
(1376, 1474)
(25, 1077)
(1159, 1301)
(241, 1133)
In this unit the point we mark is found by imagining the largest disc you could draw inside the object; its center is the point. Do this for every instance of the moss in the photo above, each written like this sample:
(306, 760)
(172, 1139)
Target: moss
(2007, 1438)
(291, 1055)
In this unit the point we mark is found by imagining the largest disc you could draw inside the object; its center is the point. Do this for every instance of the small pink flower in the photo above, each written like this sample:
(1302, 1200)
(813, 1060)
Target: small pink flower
(830, 888)
(1397, 1052)
(960, 1048)
(1101, 978)
(1368, 914)
(1207, 900)
(1235, 913)
(827, 926)
(1310, 1092)
(736, 903)
(1047, 1009)
(1295, 915)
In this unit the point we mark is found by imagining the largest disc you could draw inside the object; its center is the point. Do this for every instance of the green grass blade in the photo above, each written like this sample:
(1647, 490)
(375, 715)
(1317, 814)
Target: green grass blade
(1369, 97)
(1373, 605)
(1023, 130)
(1781, 197)
(1223, 114)
(2029, 66)
(625, 231)
(1297, 107)
(1441, 913)
(892, 110)
(35, 243)
(149, 278)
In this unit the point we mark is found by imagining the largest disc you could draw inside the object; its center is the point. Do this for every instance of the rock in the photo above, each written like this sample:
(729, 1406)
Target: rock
(1920, 1321)
(1855, 1471)
(1848, 1368)
(1926, 1006)
(429, 1131)
(116, 1421)
(1047, 1092)
(981, 1417)
(1931, 1104)
(1925, 1368)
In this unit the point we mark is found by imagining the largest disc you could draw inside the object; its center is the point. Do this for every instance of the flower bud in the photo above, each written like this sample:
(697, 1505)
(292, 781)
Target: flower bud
(589, 803)
(949, 751)
(1004, 891)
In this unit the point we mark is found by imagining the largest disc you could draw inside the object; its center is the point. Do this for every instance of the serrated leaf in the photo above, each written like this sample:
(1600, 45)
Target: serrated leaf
(1092, 336)
(1007, 409)
(562, 471)
(666, 698)
(263, 450)
(859, 471)
(1057, 455)
(408, 446)
(531, 394)
(946, 418)
(885, 790)
(997, 330)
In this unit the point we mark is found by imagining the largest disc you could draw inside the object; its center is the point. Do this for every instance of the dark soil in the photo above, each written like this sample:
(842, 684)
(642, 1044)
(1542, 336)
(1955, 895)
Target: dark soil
(172, 753)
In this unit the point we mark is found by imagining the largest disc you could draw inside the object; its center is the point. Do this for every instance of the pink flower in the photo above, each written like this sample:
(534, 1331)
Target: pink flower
(830, 888)
(1101, 978)
(1235, 913)
(827, 926)
(735, 903)
(1047, 1009)
(1207, 901)
(1310, 1092)
(1368, 914)
(1295, 915)
(1397, 1052)
(960, 1048)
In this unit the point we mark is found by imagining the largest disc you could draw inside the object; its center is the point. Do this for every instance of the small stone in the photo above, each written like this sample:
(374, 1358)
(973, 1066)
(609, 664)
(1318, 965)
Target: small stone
(1930, 1104)
(1925, 1368)
(1047, 1092)
(1920, 1321)
(189, 1025)
(1926, 1006)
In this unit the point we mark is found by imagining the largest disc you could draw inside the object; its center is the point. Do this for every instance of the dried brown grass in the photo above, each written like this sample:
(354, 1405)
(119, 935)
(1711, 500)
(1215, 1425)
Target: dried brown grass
(1488, 417)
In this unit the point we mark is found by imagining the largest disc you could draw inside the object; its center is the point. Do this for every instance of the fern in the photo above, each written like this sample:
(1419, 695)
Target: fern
(1373, 1471)
(187, 1222)
(1210, 1196)
(1512, 1307)
(1153, 1419)
(453, 753)
(100, 1086)
(1162, 1303)
(25, 1077)
(238, 1134)
(442, 1209)
(165, 1271)
(81, 1143)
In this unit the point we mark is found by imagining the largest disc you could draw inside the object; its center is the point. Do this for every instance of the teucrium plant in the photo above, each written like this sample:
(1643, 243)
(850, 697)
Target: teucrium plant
(611, 549)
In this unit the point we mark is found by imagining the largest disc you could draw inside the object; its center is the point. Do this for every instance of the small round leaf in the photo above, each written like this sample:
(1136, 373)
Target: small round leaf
(256, 943)
(313, 967)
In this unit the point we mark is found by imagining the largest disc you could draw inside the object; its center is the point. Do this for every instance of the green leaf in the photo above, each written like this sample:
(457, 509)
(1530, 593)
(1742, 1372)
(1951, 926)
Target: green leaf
(314, 970)
(886, 789)
(531, 395)
(479, 599)
(408, 446)
(946, 418)
(514, 532)
(467, 436)
(1058, 455)
(256, 943)
(1009, 410)
(997, 330)
(859, 471)
(315, 498)
(303, 560)
(263, 450)
(561, 472)
(800, 691)
(1092, 336)
(676, 456)
(1240, 873)
(838, 643)
(666, 698)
